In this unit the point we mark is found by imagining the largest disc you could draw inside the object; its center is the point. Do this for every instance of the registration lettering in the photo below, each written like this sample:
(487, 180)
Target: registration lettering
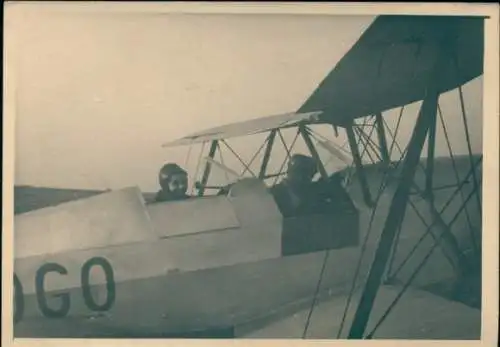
(41, 296)
(63, 308)
(110, 284)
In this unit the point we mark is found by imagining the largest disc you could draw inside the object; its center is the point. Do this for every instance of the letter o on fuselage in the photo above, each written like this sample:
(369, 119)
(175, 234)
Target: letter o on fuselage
(110, 284)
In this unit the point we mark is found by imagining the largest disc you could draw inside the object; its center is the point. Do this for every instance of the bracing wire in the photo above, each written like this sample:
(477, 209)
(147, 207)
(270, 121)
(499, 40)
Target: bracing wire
(424, 222)
(394, 252)
(366, 143)
(247, 168)
(382, 187)
(455, 218)
(365, 148)
(403, 153)
(318, 285)
(466, 129)
(469, 147)
(370, 142)
(399, 148)
(394, 142)
(254, 157)
(415, 273)
(443, 209)
(408, 256)
(282, 139)
(363, 248)
(324, 138)
(395, 131)
(428, 230)
(316, 292)
(457, 177)
(316, 137)
(286, 157)
(346, 163)
(358, 143)
(400, 294)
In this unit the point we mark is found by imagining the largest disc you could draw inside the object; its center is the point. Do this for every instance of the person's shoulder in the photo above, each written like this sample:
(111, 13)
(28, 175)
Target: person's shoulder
(158, 196)
(278, 187)
(279, 191)
(161, 196)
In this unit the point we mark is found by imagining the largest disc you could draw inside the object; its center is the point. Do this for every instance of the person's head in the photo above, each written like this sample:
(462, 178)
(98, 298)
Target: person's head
(173, 179)
(301, 169)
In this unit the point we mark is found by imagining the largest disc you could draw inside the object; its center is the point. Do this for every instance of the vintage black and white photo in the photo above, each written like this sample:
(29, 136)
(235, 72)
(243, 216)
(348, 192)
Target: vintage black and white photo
(250, 176)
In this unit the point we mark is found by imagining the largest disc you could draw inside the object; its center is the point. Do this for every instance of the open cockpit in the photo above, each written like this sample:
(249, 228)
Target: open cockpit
(329, 221)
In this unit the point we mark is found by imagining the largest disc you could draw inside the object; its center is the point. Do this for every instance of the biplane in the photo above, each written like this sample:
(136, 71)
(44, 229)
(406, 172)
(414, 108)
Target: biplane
(386, 255)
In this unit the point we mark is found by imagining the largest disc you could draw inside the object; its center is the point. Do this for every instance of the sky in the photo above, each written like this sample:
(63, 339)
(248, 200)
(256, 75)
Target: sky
(98, 94)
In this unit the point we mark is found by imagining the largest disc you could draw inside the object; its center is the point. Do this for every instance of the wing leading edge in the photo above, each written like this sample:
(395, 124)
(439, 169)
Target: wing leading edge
(249, 127)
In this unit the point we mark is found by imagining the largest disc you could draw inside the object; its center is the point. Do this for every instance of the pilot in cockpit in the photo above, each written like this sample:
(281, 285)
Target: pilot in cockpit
(294, 193)
(173, 181)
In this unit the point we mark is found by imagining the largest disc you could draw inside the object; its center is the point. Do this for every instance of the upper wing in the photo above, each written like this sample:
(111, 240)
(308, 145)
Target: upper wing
(389, 66)
(248, 127)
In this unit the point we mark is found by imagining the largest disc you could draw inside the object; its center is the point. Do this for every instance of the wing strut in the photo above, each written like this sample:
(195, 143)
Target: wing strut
(307, 139)
(267, 154)
(359, 165)
(429, 170)
(208, 166)
(398, 205)
(382, 141)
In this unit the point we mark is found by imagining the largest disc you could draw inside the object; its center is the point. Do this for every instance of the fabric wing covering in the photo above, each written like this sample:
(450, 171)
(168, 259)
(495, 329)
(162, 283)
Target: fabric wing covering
(389, 66)
(391, 63)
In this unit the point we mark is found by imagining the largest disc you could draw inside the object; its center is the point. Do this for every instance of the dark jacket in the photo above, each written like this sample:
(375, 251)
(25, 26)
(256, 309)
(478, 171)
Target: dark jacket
(318, 197)
(290, 202)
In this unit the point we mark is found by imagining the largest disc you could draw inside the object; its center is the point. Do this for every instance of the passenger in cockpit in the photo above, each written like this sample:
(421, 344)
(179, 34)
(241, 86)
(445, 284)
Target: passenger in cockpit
(294, 194)
(173, 181)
